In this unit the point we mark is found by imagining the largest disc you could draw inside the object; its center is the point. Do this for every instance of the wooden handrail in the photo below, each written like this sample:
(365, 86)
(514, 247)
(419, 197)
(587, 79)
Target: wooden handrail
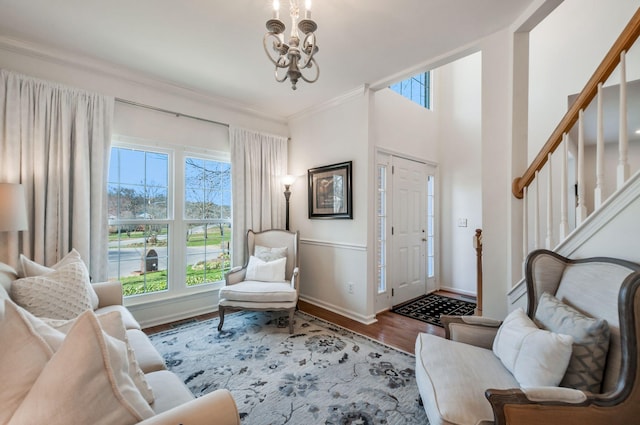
(626, 39)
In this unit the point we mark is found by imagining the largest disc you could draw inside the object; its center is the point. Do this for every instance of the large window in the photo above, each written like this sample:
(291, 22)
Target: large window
(146, 253)
(207, 212)
(416, 89)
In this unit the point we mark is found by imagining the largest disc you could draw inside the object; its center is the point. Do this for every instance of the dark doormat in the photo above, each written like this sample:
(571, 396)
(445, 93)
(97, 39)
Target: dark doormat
(428, 308)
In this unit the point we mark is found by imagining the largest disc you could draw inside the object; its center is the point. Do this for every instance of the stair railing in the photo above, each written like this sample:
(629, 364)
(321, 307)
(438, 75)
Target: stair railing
(529, 181)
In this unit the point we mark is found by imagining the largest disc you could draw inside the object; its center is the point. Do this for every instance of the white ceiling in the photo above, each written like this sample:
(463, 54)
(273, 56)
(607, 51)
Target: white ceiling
(215, 47)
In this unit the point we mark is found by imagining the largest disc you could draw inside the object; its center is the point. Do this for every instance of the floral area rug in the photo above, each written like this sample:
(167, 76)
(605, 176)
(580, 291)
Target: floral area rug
(320, 374)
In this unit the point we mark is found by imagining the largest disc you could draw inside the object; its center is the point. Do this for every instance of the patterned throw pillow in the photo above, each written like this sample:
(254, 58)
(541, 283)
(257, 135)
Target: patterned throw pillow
(62, 294)
(269, 254)
(30, 268)
(590, 342)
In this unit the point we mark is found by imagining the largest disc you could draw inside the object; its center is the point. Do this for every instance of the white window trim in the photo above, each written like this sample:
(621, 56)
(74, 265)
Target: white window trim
(176, 276)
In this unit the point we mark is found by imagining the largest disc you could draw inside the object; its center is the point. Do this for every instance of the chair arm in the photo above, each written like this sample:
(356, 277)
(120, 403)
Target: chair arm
(552, 405)
(109, 293)
(216, 407)
(473, 330)
(235, 275)
(294, 278)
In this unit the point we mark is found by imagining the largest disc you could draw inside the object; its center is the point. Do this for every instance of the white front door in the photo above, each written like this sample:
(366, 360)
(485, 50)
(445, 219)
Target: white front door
(409, 230)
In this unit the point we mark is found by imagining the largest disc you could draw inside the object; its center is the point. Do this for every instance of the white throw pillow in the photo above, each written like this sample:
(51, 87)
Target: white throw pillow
(23, 353)
(269, 254)
(113, 325)
(86, 381)
(30, 268)
(61, 294)
(266, 271)
(535, 357)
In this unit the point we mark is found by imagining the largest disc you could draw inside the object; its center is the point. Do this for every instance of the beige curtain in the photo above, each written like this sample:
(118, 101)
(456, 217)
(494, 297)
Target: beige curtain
(55, 140)
(258, 163)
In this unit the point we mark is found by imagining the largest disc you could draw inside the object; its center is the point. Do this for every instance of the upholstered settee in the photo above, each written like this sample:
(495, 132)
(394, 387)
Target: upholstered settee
(169, 401)
(572, 358)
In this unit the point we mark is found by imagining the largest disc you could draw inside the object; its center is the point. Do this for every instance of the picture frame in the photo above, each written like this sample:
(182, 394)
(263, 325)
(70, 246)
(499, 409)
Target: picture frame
(330, 193)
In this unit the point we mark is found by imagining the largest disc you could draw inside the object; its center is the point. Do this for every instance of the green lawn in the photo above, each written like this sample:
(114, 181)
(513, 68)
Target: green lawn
(197, 274)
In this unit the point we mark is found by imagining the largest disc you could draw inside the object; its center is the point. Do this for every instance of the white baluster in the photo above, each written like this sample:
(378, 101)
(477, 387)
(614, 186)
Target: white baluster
(549, 238)
(525, 225)
(623, 139)
(581, 213)
(536, 214)
(564, 181)
(597, 195)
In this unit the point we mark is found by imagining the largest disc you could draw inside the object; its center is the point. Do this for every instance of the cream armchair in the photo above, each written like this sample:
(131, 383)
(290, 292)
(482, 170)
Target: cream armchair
(261, 284)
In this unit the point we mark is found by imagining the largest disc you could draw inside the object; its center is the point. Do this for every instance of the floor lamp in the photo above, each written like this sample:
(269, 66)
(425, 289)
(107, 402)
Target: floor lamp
(287, 181)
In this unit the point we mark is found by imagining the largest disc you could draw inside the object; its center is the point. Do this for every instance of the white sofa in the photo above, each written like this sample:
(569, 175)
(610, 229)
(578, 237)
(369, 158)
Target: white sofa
(469, 378)
(173, 402)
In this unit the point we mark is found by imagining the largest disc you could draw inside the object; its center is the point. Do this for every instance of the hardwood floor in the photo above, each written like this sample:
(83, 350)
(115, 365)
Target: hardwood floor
(391, 328)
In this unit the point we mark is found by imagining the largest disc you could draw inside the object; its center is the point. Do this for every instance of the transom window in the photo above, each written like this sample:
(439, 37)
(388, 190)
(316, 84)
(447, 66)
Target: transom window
(416, 89)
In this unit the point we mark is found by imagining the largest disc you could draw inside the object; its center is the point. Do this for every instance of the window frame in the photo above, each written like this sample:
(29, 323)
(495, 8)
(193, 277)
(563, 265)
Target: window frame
(176, 216)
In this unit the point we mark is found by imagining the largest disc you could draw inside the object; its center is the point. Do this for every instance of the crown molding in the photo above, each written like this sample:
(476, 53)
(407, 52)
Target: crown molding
(331, 103)
(97, 66)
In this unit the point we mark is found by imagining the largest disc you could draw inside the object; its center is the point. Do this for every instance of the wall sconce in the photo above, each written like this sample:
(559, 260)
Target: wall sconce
(13, 208)
(287, 181)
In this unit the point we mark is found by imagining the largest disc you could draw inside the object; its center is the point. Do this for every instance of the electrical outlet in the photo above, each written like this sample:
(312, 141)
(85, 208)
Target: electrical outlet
(350, 287)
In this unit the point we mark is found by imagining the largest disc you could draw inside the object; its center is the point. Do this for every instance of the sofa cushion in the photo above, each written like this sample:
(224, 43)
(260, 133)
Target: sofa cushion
(590, 342)
(264, 292)
(452, 374)
(30, 268)
(536, 357)
(24, 354)
(146, 354)
(169, 390)
(266, 271)
(130, 322)
(111, 323)
(62, 294)
(86, 381)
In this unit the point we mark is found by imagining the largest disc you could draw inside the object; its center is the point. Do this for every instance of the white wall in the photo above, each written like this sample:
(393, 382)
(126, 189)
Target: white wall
(333, 252)
(150, 126)
(404, 127)
(458, 107)
(565, 49)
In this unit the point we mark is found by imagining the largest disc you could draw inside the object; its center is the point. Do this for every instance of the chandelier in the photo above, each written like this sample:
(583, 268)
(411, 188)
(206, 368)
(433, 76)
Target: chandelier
(292, 57)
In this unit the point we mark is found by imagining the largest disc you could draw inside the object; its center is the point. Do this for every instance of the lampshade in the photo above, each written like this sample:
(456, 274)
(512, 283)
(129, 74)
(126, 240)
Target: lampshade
(13, 210)
(288, 180)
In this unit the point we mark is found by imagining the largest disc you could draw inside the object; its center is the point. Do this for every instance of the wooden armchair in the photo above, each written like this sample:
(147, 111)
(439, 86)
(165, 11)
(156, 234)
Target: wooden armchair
(462, 380)
(598, 287)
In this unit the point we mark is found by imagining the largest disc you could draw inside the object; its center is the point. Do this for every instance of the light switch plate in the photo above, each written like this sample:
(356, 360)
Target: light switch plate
(462, 222)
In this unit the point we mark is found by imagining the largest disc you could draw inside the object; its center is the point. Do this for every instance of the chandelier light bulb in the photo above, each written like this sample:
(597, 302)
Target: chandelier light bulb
(293, 58)
(307, 9)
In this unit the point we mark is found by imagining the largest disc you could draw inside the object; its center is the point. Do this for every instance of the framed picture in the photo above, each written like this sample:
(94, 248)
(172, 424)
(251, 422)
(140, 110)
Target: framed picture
(330, 191)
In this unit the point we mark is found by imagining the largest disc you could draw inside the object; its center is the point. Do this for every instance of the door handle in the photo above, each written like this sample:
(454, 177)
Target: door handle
(424, 240)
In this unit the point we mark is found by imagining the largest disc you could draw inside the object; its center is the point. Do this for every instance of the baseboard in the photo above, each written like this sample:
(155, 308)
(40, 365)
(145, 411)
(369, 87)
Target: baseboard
(176, 317)
(458, 291)
(367, 320)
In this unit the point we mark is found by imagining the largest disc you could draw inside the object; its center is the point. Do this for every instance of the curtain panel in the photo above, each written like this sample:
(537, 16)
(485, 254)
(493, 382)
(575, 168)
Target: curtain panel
(258, 163)
(55, 140)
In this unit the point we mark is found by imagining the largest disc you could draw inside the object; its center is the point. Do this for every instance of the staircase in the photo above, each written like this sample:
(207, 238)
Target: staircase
(567, 203)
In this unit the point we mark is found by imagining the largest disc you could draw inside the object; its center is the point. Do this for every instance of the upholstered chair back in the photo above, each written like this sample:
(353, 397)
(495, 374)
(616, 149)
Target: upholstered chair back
(590, 286)
(277, 239)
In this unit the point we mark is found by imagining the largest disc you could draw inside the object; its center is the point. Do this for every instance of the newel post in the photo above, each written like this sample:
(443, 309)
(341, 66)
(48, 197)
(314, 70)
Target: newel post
(477, 244)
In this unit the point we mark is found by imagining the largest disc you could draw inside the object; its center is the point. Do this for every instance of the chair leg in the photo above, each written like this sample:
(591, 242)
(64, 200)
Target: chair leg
(291, 320)
(221, 313)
